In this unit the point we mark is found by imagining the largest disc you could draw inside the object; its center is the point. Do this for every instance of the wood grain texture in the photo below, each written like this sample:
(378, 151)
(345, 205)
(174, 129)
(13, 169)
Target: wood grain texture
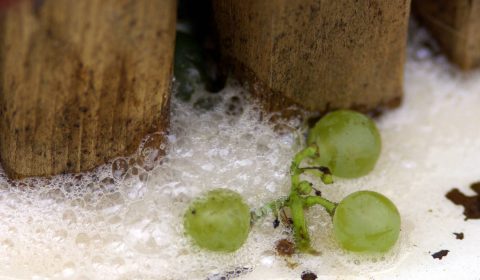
(82, 82)
(455, 24)
(318, 54)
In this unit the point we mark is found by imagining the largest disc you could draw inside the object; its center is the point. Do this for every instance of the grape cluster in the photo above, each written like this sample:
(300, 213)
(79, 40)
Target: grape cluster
(344, 144)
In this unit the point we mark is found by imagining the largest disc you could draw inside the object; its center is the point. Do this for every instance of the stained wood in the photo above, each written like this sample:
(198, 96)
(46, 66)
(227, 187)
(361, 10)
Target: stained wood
(82, 82)
(319, 55)
(455, 24)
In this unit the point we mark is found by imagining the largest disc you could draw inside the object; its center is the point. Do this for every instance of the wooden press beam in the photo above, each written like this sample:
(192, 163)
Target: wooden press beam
(456, 26)
(81, 82)
(317, 54)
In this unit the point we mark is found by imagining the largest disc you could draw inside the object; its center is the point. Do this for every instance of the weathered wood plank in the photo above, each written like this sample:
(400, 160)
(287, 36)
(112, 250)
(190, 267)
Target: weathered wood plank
(320, 55)
(456, 26)
(82, 82)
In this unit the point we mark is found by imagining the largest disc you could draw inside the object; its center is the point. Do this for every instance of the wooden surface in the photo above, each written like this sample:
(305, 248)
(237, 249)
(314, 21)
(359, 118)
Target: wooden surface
(82, 82)
(455, 24)
(317, 54)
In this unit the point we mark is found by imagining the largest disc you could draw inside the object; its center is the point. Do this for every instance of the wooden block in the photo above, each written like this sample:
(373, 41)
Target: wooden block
(320, 55)
(82, 82)
(455, 24)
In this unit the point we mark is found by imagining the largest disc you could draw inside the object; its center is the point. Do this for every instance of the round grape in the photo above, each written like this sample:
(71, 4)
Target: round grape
(366, 221)
(349, 143)
(219, 221)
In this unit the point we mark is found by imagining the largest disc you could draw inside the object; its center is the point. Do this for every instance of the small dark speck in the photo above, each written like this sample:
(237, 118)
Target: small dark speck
(276, 223)
(459, 235)
(440, 254)
(308, 275)
(194, 212)
(325, 170)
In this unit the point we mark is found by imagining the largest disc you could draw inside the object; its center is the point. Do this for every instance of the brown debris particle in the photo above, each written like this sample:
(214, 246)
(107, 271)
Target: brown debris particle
(459, 235)
(308, 275)
(471, 204)
(440, 254)
(285, 247)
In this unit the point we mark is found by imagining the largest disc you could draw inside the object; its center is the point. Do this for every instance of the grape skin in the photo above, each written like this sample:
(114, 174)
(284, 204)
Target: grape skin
(348, 141)
(366, 221)
(219, 221)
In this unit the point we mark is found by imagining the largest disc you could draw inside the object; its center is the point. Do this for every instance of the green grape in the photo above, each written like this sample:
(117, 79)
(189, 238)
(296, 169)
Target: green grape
(349, 143)
(366, 221)
(219, 221)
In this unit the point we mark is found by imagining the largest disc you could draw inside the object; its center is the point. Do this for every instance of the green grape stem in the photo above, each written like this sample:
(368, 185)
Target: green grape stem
(295, 170)
(320, 171)
(318, 200)
(300, 230)
(299, 199)
(297, 203)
